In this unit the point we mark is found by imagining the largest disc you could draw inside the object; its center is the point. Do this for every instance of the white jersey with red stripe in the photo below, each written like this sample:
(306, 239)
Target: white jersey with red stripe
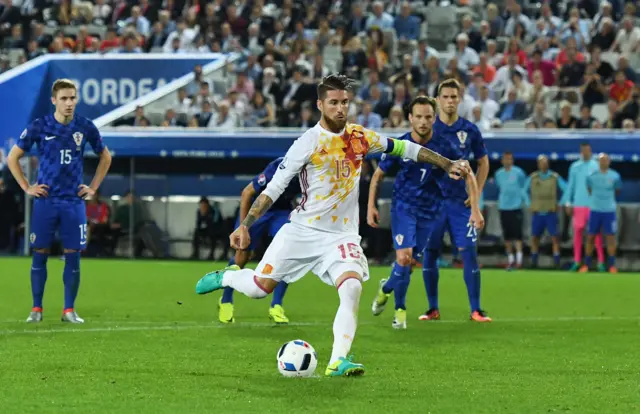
(328, 166)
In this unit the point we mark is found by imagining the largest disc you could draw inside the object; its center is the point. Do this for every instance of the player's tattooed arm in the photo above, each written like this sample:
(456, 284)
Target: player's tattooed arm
(455, 169)
(257, 210)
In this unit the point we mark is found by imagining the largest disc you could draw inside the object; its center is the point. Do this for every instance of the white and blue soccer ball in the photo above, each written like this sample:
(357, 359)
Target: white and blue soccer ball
(297, 359)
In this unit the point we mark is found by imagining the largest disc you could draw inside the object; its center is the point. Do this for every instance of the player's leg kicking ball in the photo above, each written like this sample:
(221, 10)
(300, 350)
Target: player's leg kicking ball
(343, 268)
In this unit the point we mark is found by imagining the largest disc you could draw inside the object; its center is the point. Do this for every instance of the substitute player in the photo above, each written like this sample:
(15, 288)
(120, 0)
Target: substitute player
(415, 205)
(603, 186)
(60, 141)
(510, 180)
(456, 211)
(541, 195)
(577, 202)
(322, 236)
(269, 224)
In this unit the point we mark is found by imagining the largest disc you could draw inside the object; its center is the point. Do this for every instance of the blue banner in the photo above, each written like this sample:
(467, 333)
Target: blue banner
(524, 145)
(105, 83)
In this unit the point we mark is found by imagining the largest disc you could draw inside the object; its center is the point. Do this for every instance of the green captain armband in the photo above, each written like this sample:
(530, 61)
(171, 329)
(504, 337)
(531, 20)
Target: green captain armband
(398, 147)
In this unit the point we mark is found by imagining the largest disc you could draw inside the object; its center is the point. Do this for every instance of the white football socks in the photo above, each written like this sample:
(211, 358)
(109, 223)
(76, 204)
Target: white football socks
(243, 281)
(519, 258)
(344, 326)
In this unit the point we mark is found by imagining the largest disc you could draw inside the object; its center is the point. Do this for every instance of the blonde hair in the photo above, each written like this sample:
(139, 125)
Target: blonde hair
(61, 84)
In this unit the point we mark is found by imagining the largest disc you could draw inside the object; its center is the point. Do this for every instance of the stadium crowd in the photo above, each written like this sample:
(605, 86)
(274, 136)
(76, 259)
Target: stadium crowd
(554, 64)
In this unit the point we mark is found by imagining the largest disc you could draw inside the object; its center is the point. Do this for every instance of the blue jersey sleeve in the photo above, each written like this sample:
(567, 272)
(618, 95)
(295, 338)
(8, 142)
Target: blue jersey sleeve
(30, 136)
(261, 180)
(477, 144)
(387, 162)
(94, 138)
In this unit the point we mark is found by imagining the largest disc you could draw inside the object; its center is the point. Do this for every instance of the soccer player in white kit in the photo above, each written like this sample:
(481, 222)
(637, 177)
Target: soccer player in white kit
(322, 236)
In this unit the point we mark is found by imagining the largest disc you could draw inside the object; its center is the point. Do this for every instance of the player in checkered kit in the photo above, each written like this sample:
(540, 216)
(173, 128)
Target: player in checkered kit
(60, 140)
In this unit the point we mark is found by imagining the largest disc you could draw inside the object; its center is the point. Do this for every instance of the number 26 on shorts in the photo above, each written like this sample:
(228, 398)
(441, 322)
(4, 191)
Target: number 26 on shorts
(350, 250)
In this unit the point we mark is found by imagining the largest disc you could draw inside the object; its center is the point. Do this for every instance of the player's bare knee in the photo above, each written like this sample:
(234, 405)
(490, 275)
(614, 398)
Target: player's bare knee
(43, 251)
(70, 251)
(404, 256)
(266, 284)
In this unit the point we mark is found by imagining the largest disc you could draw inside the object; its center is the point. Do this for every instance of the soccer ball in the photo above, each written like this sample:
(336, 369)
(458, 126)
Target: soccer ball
(297, 359)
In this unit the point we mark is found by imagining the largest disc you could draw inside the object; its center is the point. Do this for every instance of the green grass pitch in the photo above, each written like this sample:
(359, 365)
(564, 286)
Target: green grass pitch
(559, 342)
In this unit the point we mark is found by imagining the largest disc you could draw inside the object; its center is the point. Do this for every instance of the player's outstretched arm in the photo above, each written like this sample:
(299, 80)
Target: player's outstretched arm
(13, 161)
(406, 149)
(373, 216)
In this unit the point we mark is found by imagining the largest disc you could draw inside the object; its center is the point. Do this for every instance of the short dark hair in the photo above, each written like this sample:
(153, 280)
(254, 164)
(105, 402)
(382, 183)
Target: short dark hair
(333, 82)
(449, 83)
(585, 144)
(422, 100)
(507, 153)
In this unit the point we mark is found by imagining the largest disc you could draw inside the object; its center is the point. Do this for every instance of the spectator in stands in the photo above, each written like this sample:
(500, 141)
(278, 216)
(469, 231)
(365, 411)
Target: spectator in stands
(354, 59)
(571, 47)
(466, 103)
(540, 119)
(408, 74)
(495, 21)
(130, 45)
(628, 38)
(306, 117)
(576, 28)
(182, 103)
(111, 41)
(503, 76)
(538, 90)
(369, 119)
(605, 35)
(521, 86)
(135, 120)
(98, 231)
(244, 86)
(476, 117)
(185, 36)
(485, 68)
(566, 120)
(297, 92)
(467, 57)
(603, 68)
(621, 88)
(592, 89)
(614, 119)
(512, 109)
(516, 16)
(140, 22)
(33, 51)
(407, 27)
(203, 95)
(171, 119)
(224, 119)
(377, 58)
(270, 85)
(101, 12)
(397, 119)
(546, 68)
(261, 112)
(455, 72)
(205, 117)
(157, 39)
(629, 72)
(586, 121)
(208, 219)
(379, 18)
(490, 108)
(476, 41)
(572, 72)
(515, 48)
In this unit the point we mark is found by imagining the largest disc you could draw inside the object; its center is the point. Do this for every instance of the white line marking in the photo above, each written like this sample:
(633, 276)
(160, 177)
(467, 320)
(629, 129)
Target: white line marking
(185, 325)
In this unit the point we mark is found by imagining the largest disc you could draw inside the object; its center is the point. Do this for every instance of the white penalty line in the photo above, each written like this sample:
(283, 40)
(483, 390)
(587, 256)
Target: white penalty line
(184, 325)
